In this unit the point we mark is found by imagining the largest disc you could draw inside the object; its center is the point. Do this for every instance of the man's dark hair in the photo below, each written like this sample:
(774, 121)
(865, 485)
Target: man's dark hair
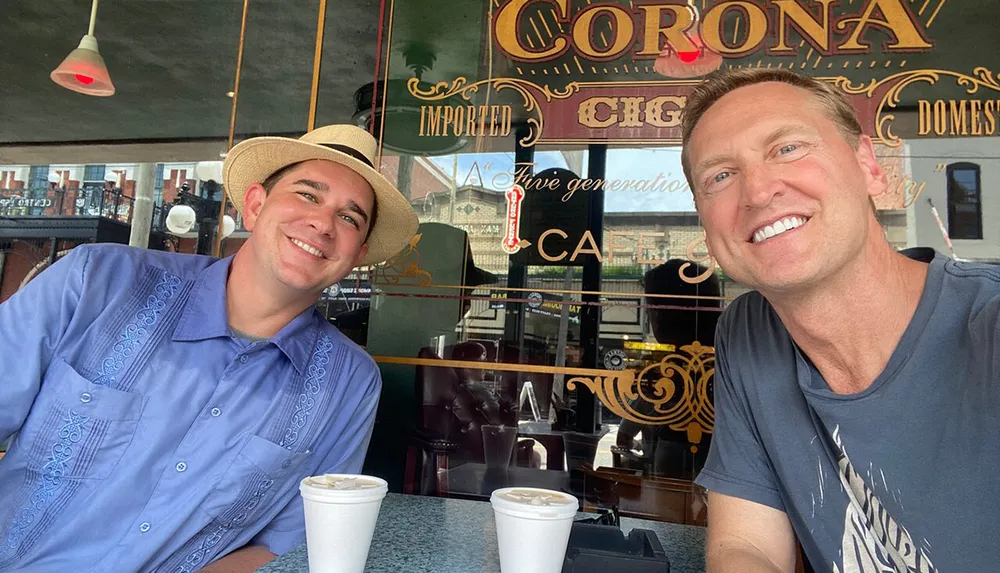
(273, 179)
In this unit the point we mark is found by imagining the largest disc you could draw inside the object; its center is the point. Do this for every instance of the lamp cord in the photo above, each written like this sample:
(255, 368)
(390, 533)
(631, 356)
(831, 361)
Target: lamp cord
(93, 18)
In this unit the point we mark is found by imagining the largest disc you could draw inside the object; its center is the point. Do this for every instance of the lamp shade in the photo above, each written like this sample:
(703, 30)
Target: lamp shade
(180, 219)
(688, 64)
(228, 226)
(84, 71)
(209, 171)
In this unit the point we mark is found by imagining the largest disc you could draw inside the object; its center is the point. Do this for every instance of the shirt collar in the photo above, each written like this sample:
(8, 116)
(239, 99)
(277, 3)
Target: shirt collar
(205, 316)
(298, 337)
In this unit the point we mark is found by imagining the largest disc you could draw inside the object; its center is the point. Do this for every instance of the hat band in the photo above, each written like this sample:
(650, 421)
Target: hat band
(349, 151)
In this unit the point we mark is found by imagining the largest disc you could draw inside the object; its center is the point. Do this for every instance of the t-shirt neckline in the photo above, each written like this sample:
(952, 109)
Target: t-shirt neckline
(812, 382)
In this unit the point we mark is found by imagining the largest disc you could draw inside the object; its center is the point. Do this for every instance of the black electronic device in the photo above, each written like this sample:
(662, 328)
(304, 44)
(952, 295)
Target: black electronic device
(603, 548)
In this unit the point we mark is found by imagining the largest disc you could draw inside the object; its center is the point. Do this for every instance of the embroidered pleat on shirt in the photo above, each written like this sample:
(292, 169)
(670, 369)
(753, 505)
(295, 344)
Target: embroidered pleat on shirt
(298, 402)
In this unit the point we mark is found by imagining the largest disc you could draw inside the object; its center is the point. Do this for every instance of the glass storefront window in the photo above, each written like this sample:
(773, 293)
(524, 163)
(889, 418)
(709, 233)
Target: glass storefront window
(552, 323)
(567, 193)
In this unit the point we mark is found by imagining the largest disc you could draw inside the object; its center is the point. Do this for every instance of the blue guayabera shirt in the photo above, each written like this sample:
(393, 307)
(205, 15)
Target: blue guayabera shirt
(149, 437)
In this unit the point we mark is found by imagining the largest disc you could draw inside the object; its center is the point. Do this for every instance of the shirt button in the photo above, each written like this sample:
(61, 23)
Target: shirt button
(216, 412)
(243, 359)
(181, 466)
(285, 464)
(86, 397)
(144, 527)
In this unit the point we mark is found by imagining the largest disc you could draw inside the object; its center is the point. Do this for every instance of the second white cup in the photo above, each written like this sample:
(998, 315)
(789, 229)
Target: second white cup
(533, 527)
(341, 511)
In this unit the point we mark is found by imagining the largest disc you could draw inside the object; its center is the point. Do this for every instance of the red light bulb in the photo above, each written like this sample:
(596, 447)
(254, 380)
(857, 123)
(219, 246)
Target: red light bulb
(85, 80)
(689, 57)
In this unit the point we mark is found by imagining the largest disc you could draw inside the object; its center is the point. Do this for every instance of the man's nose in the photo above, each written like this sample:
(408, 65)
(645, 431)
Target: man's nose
(324, 221)
(759, 187)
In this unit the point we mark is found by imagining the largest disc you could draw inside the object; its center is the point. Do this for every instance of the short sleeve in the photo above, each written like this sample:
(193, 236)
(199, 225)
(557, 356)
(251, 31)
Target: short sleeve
(346, 454)
(737, 464)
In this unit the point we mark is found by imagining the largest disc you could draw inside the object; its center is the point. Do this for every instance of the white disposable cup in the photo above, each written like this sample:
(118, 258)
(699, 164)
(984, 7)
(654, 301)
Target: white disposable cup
(533, 538)
(340, 522)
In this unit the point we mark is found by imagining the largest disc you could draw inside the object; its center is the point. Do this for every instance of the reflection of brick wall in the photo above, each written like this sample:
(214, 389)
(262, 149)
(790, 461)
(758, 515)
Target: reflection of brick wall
(422, 182)
(16, 265)
(21, 258)
(230, 246)
(182, 245)
(63, 201)
(190, 245)
(681, 238)
(7, 180)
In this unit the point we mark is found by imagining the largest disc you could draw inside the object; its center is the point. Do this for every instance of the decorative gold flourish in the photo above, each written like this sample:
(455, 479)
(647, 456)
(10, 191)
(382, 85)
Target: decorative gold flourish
(460, 86)
(405, 265)
(672, 392)
(981, 77)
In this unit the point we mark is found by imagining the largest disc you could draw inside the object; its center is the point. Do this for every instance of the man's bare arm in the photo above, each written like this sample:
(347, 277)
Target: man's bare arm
(748, 537)
(244, 560)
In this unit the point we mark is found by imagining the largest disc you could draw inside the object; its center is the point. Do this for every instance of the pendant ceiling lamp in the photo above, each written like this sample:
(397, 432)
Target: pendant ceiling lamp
(83, 70)
(391, 103)
(699, 61)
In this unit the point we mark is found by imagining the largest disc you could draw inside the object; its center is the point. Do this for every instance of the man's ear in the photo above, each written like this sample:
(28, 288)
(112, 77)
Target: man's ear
(253, 202)
(875, 178)
(361, 254)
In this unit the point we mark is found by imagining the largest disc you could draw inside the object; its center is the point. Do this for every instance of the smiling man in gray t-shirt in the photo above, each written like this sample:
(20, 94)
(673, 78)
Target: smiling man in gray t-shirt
(857, 391)
(888, 475)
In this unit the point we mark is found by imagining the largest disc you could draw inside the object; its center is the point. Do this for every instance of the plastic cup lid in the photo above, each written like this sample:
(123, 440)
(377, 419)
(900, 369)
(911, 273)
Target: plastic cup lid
(534, 502)
(344, 486)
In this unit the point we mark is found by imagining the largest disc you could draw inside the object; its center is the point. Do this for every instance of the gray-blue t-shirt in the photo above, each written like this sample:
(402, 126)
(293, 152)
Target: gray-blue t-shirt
(904, 476)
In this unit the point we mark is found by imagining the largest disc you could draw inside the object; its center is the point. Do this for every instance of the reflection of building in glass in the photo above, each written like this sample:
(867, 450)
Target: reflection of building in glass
(963, 184)
(633, 243)
(46, 210)
(631, 239)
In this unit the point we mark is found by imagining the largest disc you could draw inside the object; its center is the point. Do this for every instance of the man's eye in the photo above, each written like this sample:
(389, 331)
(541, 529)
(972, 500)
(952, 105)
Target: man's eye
(351, 220)
(309, 196)
(721, 177)
(786, 149)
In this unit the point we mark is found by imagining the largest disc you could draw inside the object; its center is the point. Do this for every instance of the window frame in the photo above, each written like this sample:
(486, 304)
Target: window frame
(953, 200)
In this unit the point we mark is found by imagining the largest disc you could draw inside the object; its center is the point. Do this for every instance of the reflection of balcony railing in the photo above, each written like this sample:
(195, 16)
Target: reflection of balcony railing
(111, 204)
(80, 202)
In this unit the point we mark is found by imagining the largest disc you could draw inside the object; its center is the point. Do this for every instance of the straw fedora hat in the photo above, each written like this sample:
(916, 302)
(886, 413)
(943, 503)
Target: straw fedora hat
(254, 160)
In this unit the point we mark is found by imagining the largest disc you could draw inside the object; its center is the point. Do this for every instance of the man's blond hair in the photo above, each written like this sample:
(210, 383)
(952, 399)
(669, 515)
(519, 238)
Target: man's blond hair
(720, 83)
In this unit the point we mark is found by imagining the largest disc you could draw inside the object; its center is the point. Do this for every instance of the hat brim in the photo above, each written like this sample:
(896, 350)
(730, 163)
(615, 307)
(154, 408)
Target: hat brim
(254, 160)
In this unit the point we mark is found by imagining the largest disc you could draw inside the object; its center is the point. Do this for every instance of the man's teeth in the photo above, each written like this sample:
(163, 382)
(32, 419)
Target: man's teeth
(307, 248)
(777, 228)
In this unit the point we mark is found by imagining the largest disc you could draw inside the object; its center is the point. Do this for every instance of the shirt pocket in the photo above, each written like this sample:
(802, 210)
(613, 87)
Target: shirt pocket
(261, 470)
(77, 429)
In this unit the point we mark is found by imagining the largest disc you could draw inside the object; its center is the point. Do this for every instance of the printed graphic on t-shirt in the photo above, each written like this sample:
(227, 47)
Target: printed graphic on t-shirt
(873, 541)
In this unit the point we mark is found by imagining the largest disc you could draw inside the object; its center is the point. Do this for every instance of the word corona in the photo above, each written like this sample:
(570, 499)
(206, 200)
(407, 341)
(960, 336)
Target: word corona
(642, 31)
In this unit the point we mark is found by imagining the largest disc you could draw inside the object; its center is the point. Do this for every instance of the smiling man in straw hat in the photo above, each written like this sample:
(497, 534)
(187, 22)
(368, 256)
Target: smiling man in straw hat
(187, 396)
